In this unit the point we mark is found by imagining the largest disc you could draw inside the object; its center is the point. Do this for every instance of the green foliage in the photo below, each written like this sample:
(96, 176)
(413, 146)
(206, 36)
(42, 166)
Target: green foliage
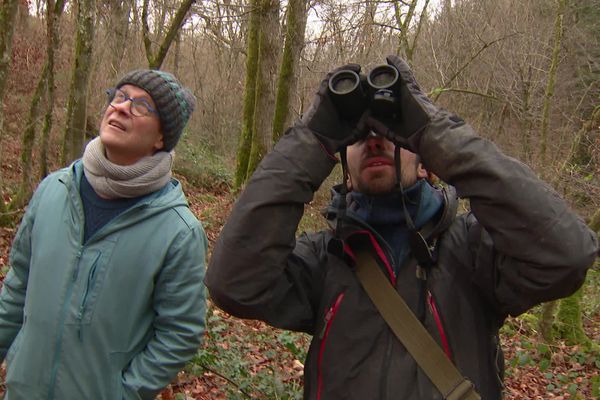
(202, 167)
(591, 301)
(10, 214)
(596, 386)
(230, 351)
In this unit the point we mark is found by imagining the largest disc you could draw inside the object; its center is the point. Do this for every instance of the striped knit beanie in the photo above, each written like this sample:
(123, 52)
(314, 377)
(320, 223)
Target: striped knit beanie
(174, 102)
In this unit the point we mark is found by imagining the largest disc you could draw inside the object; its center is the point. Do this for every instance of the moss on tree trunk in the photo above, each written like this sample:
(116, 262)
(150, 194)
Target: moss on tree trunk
(245, 141)
(568, 320)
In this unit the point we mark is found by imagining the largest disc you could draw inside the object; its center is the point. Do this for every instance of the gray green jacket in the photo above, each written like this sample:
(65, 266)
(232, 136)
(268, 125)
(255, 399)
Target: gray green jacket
(115, 318)
(520, 245)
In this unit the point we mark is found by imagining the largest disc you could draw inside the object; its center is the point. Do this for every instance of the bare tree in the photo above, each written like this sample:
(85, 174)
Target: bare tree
(53, 14)
(155, 60)
(120, 11)
(558, 33)
(8, 12)
(405, 47)
(268, 54)
(77, 103)
(287, 83)
(245, 142)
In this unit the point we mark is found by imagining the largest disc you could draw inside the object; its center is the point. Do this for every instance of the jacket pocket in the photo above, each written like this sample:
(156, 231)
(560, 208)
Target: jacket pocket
(117, 363)
(89, 285)
(14, 347)
(327, 322)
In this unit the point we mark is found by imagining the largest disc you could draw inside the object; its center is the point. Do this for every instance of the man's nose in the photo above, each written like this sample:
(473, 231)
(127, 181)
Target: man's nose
(124, 107)
(374, 142)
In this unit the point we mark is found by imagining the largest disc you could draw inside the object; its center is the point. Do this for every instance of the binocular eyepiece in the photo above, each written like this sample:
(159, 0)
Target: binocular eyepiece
(352, 93)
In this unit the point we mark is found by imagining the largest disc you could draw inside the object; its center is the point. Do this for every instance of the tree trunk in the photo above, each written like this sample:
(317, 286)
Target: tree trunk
(366, 36)
(77, 104)
(52, 44)
(547, 320)
(568, 320)
(118, 32)
(8, 12)
(155, 60)
(245, 141)
(287, 83)
(595, 222)
(526, 120)
(177, 54)
(411, 49)
(29, 137)
(558, 33)
(581, 148)
(265, 90)
(403, 26)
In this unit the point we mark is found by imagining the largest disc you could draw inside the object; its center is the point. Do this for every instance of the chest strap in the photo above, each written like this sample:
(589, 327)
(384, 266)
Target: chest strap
(411, 333)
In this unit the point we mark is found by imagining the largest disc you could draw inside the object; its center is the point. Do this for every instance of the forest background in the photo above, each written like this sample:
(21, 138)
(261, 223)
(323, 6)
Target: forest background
(524, 74)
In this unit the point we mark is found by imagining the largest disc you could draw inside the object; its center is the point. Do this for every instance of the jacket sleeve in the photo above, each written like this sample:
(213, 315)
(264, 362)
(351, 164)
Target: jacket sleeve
(180, 307)
(532, 247)
(12, 296)
(258, 270)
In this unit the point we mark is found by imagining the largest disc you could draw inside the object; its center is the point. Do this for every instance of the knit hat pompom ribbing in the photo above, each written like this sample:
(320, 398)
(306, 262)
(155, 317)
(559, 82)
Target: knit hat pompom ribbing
(174, 102)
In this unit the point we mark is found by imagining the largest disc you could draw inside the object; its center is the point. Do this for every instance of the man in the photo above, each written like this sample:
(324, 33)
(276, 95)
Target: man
(105, 297)
(519, 246)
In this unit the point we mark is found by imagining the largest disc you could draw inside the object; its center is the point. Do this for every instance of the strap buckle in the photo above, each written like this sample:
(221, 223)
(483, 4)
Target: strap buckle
(465, 390)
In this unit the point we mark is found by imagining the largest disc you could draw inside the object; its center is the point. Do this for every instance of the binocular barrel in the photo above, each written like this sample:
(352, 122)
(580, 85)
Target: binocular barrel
(348, 94)
(352, 95)
(383, 77)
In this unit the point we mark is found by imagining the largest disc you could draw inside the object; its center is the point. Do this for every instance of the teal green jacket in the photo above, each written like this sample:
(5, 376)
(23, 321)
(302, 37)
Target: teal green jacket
(114, 318)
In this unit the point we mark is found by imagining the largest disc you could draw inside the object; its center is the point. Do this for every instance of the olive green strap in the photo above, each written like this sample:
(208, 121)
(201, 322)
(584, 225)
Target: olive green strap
(411, 333)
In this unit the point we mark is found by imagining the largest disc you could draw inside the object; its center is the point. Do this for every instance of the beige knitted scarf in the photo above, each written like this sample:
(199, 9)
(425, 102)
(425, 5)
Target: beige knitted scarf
(112, 181)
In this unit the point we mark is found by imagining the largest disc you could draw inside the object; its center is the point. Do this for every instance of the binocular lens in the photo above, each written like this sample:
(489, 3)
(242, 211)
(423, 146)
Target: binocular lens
(383, 77)
(344, 82)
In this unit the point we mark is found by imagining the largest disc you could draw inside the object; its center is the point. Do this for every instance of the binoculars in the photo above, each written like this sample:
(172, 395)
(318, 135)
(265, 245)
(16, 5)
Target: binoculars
(352, 93)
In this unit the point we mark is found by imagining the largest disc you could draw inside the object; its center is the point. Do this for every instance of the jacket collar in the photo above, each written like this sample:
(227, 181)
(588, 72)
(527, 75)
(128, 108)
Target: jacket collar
(428, 230)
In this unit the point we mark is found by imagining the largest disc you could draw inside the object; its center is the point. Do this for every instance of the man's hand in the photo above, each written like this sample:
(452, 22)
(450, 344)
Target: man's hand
(324, 120)
(416, 110)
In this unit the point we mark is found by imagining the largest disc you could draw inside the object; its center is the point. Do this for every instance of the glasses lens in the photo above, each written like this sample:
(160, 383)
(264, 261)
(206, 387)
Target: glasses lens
(139, 108)
(119, 97)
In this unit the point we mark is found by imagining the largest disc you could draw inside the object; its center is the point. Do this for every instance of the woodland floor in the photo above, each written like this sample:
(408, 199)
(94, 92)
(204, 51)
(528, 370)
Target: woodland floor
(533, 370)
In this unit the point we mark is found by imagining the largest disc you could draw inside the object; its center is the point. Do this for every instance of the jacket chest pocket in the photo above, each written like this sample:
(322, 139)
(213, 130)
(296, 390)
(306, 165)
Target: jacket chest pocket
(349, 347)
(326, 341)
(88, 278)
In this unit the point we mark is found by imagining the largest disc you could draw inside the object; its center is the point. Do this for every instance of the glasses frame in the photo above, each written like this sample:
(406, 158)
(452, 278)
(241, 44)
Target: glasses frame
(112, 93)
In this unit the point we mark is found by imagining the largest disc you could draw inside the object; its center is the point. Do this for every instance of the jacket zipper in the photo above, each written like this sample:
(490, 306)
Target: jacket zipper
(438, 323)
(90, 283)
(329, 315)
(61, 325)
(386, 365)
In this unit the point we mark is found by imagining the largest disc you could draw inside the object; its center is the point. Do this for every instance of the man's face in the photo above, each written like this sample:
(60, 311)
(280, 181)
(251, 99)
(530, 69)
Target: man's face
(127, 138)
(371, 166)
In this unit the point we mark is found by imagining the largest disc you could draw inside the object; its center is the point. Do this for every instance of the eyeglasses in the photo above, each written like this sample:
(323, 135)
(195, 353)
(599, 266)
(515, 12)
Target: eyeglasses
(138, 107)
